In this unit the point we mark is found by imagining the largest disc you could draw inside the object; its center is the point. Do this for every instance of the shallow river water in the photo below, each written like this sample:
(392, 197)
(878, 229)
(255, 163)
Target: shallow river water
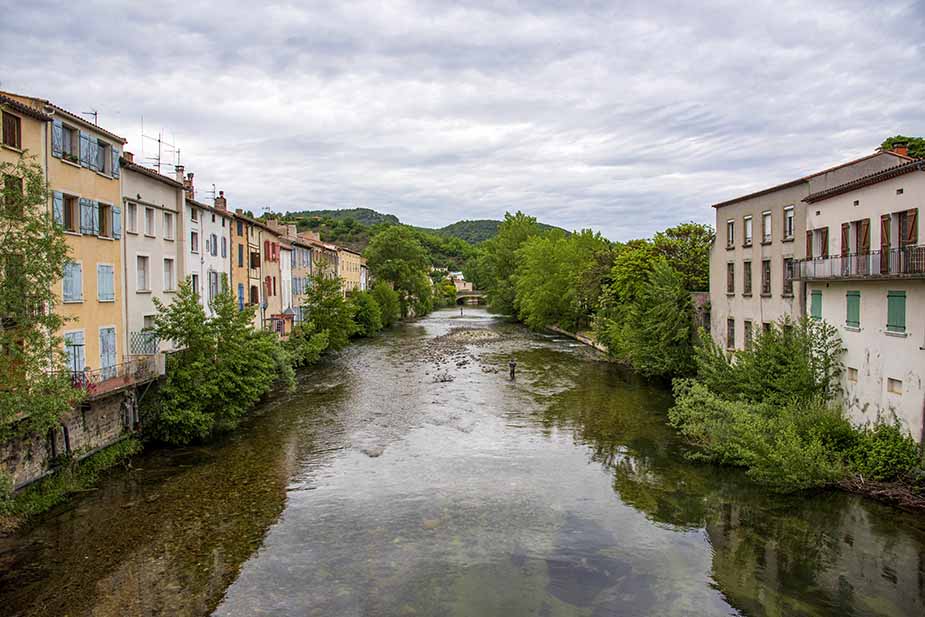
(411, 476)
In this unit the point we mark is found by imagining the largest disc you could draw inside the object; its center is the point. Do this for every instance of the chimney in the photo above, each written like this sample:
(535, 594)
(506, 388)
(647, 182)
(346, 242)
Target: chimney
(188, 186)
(901, 148)
(291, 230)
(220, 202)
(128, 156)
(180, 170)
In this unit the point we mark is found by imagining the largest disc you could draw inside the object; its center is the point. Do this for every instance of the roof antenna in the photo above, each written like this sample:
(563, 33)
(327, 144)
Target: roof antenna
(94, 113)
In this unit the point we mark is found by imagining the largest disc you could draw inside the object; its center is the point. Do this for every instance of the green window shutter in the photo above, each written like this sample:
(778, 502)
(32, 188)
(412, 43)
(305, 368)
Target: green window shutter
(896, 311)
(815, 306)
(853, 301)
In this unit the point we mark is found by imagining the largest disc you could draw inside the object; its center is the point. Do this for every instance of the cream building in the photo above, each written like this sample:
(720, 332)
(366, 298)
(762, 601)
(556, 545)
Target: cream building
(759, 238)
(350, 265)
(865, 274)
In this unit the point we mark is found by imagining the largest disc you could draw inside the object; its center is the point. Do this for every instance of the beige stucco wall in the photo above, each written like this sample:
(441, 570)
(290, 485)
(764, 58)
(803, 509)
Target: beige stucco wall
(349, 268)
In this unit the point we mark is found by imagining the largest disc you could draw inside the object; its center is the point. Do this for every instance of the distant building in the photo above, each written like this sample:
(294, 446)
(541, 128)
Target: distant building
(864, 273)
(350, 266)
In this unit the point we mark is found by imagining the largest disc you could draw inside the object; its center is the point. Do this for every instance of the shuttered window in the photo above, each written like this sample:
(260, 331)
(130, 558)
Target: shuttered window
(853, 304)
(12, 130)
(815, 305)
(73, 282)
(105, 283)
(896, 311)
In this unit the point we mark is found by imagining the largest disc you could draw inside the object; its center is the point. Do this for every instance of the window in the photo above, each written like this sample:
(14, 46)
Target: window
(240, 255)
(274, 285)
(815, 304)
(168, 225)
(748, 231)
(747, 279)
(194, 283)
(240, 296)
(896, 311)
(853, 309)
(766, 277)
(148, 323)
(748, 334)
(766, 327)
(730, 333)
(193, 213)
(224, 246)
(194, 241)
(240, 228)
(71, 214)
(105, 225)
(12, 194)
(169, 276)
(894, 386)
(788, 223)
(255, 259)
(213, 285)
(103, 157)
(730, 278)
(12, 130)
(73, 282)
(74, 348)
(788, 276)
(142, 273)
(212, 248)
(852, 374)
(105, 283)
(131, 218)
(149, 222)
(70, 144)
(255, 295)
(765, 226)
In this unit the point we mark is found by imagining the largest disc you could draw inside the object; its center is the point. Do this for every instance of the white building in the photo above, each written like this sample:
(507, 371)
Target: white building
(865, 274)
(285, 277)
(207, 260)
(152, 251)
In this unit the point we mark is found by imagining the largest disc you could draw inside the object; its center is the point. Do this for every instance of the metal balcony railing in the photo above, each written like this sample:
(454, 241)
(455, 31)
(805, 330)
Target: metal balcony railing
(904, 262)
(97, 382)
(143, 343)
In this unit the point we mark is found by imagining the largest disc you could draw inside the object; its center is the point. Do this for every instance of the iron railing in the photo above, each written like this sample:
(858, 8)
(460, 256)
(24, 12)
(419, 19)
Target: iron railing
(96, 382)
(907, 261)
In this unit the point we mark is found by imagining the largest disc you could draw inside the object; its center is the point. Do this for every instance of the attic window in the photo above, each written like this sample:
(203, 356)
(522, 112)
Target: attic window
(899, 191)
(857, 202)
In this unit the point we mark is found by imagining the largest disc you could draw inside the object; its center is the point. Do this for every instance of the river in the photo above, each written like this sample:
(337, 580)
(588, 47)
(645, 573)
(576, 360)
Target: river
(410, 476)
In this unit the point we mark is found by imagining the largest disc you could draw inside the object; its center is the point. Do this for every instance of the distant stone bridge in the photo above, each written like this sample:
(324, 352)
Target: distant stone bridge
(470, 296)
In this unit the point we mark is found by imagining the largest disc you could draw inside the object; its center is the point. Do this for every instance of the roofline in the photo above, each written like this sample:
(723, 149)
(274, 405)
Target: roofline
(56, 109)
(348, 250)
(131, 166)
(799, 181)
(208, 207)
(24, 109)
(874, 178)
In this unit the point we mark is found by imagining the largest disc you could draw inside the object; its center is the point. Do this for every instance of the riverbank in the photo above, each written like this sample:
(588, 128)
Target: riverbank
(586, 338)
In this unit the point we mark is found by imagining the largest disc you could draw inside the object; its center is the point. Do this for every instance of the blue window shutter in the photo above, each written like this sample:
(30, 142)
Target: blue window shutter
(84, 149)
(94, 153)
(115, 162)
(58, 207)
(116, 222)
(57, 138)
(95, 216)
(86, 215)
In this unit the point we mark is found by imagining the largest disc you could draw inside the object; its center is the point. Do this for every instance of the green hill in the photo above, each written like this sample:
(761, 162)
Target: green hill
(364, 216)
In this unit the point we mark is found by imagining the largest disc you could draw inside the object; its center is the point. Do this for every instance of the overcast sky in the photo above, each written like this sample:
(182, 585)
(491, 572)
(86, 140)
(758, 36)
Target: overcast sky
(623, 117)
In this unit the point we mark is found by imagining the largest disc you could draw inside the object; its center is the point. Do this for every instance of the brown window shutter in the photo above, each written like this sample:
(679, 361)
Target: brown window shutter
(884, 243)
(809, 245)
(864, 237)
(845, 238)
(912, 227)
(825, 241)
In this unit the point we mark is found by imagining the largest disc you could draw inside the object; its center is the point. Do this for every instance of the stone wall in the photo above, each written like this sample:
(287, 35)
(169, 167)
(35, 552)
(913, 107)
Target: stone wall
(95, 424)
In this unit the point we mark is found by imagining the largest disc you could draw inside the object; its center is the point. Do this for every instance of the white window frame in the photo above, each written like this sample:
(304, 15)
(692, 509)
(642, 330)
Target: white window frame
(748, 230)
(152, 232)
(131, 217)
(730, 233)
(767, 226)
(789, 216)
(194, 246)
(168, 225)
(171, 283)
(138, 287)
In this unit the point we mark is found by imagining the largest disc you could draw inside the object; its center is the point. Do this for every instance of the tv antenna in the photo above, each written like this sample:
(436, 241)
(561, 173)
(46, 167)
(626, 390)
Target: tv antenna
(164, 147)
(94, 113)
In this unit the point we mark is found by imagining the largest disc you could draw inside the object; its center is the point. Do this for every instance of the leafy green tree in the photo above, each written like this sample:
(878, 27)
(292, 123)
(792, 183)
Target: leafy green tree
(501, 260)
(221, 370)
(445, 292)
(36, 388)
(916, 145)
(366, 313)
(388, 302)
(396, 256)
(687, 249)
(327, 309)
(306, 344)
(633, 263)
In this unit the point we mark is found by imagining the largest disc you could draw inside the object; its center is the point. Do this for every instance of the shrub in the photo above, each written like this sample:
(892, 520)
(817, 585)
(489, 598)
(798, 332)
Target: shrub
(885, 452)
(366, 313)
(305, 345)
(387, 299)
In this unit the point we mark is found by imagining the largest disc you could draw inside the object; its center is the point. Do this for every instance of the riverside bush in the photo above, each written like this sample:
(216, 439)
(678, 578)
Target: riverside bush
(367, 315)
(885, 453)
(388, 301)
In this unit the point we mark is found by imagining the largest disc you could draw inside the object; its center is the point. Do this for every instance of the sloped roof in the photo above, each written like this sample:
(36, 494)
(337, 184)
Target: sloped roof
(874, 178)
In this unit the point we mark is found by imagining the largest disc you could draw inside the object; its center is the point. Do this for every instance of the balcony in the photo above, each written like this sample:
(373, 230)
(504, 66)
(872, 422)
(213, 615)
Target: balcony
(898, 263)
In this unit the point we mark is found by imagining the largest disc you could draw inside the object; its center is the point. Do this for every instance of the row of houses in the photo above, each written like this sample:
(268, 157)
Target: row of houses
(133, 236)
(840, 245)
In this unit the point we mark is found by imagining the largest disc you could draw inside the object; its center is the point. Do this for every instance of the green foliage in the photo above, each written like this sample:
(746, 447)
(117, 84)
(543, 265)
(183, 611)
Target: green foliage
(916, 145)
(397, 257)
(367, 313)
(222, 369)
(444, 293)
(687, 249)
(885, 453)
(500, 263)
(327, 309)
(478, 231)
(71, 477)
(36, 387)
(658, 327)
(306, 344)
(387, 299)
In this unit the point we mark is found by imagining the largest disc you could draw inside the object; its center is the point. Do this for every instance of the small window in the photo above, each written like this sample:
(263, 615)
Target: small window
(896, 311)
(894, 386)
(149, 222)
(168, 225)
(788, 277)
(730, 233)
(766, 227)
(70, 144)
(73, 282)
(240, 255)
(730, 333)
(765, 327)
(194, 242)
(12, 130)
(193, 213)
(899, 191)
(853, 309)
(747, 279)
(852, 374)
(748, 334)
(194, 283)
(170, 280)
(142, 273)
(766, 277)
(730, 278)
(815, 304)
(103, 157)
(212, 248)
(224, 246)
(105, 226)
(71, 214)
(131, 217)
(748, 230)
(788, 222)
(240, 228)
(105, 283)
(148, 323)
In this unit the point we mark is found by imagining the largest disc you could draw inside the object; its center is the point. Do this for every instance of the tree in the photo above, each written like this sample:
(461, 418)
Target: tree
(395, 255)
(502, 260)
(687, 249)
(387, 299)
(366, 313)
(916, 145)
(221, 370)
(35, 386)
(445, 292)
(327, 309)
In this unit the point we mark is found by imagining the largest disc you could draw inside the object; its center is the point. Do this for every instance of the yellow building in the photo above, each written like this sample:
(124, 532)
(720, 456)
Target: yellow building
(85, 193)
(350, 269)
